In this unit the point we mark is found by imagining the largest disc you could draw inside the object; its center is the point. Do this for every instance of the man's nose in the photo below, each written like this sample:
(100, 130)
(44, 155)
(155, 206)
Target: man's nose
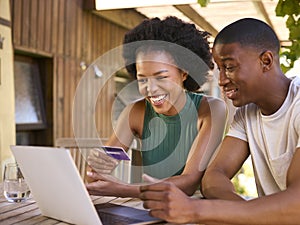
(223, 79)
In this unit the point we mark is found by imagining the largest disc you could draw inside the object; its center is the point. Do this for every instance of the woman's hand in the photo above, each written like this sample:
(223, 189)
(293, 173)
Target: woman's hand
(100, 162)
(104, 184)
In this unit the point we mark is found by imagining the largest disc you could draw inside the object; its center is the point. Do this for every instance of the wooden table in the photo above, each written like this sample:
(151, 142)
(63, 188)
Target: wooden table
(28, 213)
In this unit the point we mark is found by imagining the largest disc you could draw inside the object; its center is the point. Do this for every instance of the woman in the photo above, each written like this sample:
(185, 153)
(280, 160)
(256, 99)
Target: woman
(179, 129)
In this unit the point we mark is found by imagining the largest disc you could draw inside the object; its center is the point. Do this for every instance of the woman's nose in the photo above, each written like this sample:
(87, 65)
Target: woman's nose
(151, 86)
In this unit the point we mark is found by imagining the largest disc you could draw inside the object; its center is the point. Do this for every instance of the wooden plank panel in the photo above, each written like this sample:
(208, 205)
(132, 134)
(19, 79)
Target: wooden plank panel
(68, 16)
(17, 21)
(48, 25)
(94, 41)
(72, 14)
(99, 37)
(84, 34)
(86, 104)
(107, 99)
(41, 25)
(80, 123)
(61, 28)
(25, 23)
(33, 23)
(73, 72)
(88, 42)
(55, 25)
(100, 121)
(79, 24)
(98, 108)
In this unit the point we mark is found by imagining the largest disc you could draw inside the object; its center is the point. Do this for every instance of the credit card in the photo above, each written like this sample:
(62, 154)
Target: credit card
(116, 152)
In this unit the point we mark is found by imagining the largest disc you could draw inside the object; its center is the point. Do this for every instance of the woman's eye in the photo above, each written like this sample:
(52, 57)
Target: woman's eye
(161, 77)
(142, 80)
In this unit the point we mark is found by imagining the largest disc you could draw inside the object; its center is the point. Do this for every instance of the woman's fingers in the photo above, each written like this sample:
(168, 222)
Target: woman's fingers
(150, 179)
(101, 162)
(100, 154)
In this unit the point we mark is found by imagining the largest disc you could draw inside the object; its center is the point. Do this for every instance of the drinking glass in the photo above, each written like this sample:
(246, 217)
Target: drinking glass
(15, 187)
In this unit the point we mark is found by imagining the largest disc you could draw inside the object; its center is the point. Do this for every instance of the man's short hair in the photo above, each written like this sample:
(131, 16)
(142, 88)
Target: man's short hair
(249, 32)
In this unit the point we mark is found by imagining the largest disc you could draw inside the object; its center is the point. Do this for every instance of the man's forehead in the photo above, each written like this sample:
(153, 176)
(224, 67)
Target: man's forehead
(231, 49)
(224, 50)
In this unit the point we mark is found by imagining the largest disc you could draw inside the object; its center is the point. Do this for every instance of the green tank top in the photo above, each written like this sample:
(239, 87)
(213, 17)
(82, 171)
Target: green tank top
(166, 140)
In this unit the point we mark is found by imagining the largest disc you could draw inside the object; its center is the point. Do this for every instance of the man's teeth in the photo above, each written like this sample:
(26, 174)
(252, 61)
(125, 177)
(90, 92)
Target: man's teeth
(157, 98)
(230, 92)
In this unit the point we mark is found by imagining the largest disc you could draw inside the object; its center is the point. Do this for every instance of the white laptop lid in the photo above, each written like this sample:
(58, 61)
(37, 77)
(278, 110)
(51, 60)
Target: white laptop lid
(60, 195)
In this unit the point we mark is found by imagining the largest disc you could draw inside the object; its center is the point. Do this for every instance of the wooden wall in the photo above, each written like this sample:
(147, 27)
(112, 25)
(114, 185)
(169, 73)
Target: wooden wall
(7, 101)
(62, 31)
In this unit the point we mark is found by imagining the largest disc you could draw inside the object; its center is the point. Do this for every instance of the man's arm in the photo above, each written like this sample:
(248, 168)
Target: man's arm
(216, 182)
(282, 208)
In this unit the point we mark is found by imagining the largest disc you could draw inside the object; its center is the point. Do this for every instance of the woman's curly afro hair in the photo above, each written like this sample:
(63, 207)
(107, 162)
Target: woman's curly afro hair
(175, 32)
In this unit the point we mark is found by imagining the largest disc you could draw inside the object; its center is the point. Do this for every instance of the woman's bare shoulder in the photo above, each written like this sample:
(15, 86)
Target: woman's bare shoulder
(136, 116)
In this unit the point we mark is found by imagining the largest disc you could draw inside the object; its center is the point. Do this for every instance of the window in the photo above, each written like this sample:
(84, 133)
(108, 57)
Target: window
(33, 100)
(29, 105)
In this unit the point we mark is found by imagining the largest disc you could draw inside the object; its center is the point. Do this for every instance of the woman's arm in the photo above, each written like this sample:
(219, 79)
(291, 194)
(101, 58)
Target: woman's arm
(129, 124)
(212, 115)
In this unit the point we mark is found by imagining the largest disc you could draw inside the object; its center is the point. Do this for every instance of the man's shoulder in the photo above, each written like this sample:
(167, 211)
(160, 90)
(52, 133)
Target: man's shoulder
(296, 80)
(295, 84)
(295, 89)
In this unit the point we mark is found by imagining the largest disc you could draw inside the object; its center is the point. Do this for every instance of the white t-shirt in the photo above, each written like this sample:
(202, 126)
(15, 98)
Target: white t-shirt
(272, 139)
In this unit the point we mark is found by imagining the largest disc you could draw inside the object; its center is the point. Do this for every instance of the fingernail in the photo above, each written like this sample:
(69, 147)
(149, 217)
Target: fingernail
(89, 173)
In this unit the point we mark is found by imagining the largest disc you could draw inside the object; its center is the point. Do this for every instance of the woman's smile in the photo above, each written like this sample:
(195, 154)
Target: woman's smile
(158, 99)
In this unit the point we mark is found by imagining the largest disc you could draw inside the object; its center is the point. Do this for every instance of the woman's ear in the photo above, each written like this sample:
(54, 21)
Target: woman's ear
(184, 75)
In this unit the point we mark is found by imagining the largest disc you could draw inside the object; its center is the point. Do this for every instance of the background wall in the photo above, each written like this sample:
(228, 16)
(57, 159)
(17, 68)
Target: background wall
(7, 121)
(62, 31)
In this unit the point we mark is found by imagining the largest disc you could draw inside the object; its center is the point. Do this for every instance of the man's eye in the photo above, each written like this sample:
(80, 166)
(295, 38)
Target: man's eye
(230, 68)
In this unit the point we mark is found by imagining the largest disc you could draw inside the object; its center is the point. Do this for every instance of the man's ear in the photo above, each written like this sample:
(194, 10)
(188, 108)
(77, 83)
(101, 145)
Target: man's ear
(267, 60)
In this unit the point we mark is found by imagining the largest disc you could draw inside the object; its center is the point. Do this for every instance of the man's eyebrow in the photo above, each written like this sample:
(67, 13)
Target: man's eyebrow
(226, 59)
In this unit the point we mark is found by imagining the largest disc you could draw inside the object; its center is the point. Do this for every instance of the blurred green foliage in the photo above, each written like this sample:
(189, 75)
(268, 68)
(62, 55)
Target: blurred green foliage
(203, 3)
(243, 181)
(291, 10)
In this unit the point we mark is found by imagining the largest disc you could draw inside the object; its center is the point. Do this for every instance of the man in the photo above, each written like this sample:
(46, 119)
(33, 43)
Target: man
(266, 126)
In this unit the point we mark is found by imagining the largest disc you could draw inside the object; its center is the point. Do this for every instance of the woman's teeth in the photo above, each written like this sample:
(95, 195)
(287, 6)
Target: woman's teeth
(157, 99)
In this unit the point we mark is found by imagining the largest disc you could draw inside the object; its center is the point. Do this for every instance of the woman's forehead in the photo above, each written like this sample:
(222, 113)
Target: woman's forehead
(155, 56)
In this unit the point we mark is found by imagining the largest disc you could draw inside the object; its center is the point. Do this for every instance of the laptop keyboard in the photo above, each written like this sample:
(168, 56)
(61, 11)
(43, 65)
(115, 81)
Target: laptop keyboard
(112, 214)
(109, 219)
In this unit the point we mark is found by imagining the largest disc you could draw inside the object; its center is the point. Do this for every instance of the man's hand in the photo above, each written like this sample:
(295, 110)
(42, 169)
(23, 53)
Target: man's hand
(166, 201)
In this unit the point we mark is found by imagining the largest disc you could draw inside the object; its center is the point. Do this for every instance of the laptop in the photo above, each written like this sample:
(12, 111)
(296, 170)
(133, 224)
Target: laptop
(60, 193)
